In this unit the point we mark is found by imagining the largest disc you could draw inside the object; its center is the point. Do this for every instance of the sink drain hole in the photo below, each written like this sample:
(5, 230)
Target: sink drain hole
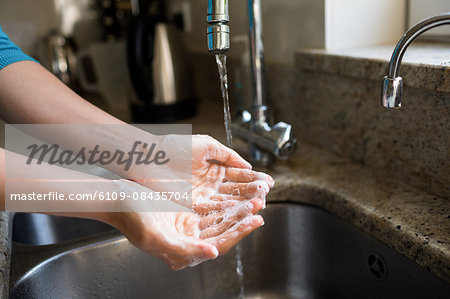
(377, 266)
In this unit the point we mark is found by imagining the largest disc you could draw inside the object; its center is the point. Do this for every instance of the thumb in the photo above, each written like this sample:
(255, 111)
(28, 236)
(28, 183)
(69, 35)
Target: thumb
(235, 160)
(192, 249)
(228, 157)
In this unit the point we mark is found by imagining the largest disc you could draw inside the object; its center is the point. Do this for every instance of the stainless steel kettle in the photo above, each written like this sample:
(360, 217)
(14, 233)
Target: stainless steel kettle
(159, 70)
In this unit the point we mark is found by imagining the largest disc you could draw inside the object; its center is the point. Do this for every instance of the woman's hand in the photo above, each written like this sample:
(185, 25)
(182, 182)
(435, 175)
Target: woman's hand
(226, 195)
(175, 237)
(215, 175)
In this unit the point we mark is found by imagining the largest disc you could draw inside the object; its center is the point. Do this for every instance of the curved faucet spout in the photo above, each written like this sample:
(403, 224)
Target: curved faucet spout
(392, 89)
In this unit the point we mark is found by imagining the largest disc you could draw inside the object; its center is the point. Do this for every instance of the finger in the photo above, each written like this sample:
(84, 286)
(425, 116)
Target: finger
(173, 262)
(227, 219)
(208, 207)
(189, 250)
(258, 204)
(234, 160)
(226, 197)
(246, 176)
(211, 206)
(248, 190)
(228, 157)
(215, 230)
(229, 238)
(211, 219)
(178, 263)
(187, 225)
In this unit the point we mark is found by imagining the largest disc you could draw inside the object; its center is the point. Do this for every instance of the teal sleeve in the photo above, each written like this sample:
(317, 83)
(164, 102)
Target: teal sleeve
(9, 52)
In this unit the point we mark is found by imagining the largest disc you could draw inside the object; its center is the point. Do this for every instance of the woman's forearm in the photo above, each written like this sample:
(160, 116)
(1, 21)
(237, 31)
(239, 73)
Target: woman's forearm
(29, 94)
(54, 190)
(32, 95)
(47, 187)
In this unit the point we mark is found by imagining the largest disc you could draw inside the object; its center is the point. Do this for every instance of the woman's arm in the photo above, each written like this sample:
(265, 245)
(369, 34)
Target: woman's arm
(29, 94)
(179, 238)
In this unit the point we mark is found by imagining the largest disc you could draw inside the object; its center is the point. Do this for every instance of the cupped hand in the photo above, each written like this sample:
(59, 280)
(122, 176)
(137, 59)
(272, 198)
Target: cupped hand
(177, 237)
(211, 172)
(226, 195)
(222, 179)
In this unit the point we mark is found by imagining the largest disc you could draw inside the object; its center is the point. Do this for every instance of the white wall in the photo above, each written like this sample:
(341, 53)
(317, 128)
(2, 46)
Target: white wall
(288, 24)
(356, 23)
(293, 24)
(419, 10)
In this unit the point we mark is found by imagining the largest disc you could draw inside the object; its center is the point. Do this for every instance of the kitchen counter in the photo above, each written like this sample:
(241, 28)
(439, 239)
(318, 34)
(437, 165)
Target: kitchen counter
(337, 107)
(408, 220)
(424, 65)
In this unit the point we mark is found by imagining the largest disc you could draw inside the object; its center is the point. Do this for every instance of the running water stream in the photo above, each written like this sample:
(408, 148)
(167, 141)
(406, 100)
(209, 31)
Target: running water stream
(221, 60)
(240, 271)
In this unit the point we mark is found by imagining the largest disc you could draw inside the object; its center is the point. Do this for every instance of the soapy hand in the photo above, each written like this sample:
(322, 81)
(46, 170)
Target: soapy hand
(222, 179)
(175, 237)
(226, 195)
(204, 166)
(215, 176)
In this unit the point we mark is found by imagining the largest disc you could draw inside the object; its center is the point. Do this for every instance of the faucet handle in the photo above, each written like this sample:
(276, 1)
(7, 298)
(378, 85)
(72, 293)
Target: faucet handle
(278, 139)
(391, 92)
(286, 144)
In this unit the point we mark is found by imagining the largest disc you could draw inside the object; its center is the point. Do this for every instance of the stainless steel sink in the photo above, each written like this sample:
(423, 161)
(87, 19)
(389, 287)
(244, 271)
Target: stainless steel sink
(39, 229)
(301, 252)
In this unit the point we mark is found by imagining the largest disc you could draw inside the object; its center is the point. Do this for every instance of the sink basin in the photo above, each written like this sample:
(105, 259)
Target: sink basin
(39, 229)
(301, 252)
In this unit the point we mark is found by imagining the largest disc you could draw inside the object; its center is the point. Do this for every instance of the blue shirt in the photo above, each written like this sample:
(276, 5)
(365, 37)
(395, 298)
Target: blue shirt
(9, 52)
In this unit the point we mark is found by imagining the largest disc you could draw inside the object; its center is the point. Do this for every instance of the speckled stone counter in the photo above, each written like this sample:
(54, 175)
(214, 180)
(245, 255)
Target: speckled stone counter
(414, 223)
(424, 65)
(332, 99)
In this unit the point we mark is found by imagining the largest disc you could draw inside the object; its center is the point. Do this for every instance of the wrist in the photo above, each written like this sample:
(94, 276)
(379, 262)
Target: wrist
(141, 153)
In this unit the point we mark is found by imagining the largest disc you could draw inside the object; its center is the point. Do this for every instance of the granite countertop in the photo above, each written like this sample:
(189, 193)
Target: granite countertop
(424, 65)
(408, 220)
(332, 100)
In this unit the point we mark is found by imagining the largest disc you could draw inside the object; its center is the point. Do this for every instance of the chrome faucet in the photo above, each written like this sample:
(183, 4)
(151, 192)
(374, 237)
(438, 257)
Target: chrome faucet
(218, 30)
(266, 141)
(391, 92)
